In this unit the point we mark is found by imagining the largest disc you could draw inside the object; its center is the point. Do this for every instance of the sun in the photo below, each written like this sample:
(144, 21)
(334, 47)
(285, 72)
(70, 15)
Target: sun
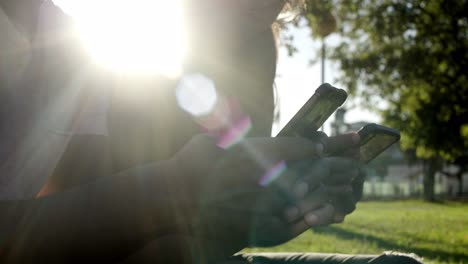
(131, 36)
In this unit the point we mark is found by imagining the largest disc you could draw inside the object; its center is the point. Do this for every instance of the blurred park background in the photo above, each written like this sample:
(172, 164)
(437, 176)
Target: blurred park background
(405, 65)
(437, 232)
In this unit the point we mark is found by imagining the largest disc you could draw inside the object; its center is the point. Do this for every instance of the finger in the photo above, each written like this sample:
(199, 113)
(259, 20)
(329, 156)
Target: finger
(297, 191)
(342, 170)
(321, 216)
(318, 136)
(341, 178)
(284, 148)
(313, 172)
(340, 164)
(358, 185)
(331, 171)
(285, 188)
(353, 153)
(340, 143)
(344, 203)
(294, 185)
(273, 200)
(312, 201)
(299, 228)
(338, 218)
(300, 189)
(291, 197)
(326, 166)
(340, 189)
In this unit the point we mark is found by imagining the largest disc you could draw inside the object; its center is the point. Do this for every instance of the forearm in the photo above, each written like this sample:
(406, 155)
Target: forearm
(111, 217)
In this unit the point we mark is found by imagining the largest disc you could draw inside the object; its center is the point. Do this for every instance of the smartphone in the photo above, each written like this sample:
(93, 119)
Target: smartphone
(375, 139)
(315, 111)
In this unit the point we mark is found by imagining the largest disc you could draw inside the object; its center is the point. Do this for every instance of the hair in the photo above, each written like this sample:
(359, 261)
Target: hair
(291, 11)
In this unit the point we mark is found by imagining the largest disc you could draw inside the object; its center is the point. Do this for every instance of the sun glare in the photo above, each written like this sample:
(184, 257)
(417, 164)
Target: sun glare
(132, 36)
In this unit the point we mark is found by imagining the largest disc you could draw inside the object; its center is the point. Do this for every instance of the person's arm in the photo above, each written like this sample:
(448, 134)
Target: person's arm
(107, 219)
(113, 217)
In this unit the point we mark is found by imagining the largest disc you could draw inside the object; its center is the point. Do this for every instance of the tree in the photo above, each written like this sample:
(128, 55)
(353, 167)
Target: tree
(414, 55)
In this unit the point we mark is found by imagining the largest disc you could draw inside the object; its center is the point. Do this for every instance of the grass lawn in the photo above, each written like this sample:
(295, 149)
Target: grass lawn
(438, 232)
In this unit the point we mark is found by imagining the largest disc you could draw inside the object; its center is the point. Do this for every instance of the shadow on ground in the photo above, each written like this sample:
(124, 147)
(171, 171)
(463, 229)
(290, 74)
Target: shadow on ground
(425, 253)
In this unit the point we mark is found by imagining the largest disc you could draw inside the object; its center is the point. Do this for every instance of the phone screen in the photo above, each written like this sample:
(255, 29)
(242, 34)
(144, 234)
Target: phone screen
(376, 145)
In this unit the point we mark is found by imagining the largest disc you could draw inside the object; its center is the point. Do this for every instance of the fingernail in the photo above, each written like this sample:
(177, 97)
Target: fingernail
(291, 214)
(311, 219)
(319, 149)
(356, 138)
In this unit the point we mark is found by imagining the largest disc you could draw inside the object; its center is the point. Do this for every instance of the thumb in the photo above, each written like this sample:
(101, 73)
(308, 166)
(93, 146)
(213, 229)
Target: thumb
(341, 143)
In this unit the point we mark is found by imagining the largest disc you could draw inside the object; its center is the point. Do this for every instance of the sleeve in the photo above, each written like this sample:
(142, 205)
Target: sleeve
(51, 103)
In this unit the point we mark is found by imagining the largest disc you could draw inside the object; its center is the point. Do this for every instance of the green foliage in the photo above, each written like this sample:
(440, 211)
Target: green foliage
(412, 54)
(321, 19)
(436, 232)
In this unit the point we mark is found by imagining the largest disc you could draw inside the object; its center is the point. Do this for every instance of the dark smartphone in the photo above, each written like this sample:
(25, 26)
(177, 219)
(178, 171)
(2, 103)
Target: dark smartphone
(375, 139)
(315, 111)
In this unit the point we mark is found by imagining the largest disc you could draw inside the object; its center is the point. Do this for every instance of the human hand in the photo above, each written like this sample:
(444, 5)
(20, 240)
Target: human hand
(346, 177)
(240, 188)
(281, 211)
(207, 173)
(345, 192)
(234, 203)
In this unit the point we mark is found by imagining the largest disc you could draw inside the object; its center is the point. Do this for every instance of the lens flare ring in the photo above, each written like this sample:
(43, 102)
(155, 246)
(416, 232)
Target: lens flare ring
(273, 174)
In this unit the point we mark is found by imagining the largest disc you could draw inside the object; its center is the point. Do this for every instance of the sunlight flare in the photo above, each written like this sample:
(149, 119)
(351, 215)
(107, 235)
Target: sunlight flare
(132, 36)
(196, 94)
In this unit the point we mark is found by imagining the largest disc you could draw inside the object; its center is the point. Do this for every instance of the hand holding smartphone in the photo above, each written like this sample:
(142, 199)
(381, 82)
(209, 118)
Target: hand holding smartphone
(374, 138)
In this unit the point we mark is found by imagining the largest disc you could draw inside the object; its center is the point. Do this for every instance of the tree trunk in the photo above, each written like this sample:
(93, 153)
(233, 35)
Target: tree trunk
(430, 168)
